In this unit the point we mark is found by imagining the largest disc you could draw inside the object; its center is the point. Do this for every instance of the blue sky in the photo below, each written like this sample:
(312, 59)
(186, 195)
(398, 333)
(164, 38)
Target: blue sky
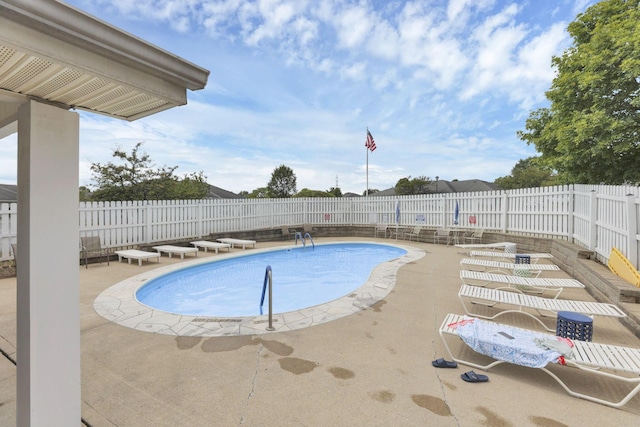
(443, 86)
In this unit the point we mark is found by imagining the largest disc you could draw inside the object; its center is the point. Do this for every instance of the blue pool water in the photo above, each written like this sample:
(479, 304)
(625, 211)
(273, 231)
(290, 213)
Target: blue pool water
(302, 277)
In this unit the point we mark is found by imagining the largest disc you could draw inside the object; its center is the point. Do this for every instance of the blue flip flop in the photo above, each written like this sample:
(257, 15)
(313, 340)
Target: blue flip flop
(472, 377)
(441, 363)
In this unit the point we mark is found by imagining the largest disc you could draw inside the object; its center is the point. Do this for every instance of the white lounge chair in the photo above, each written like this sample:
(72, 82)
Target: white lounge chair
(211, 245)
(522, 284)
(484, 246)
(598, 359)
(508, 267)
(171, 249)
(130, 254)
(534, 257)
(238, 242)
(544, 306)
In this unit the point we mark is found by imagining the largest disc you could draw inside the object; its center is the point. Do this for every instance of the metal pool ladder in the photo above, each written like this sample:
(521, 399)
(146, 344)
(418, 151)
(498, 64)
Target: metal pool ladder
(303, 239)
(268, 277)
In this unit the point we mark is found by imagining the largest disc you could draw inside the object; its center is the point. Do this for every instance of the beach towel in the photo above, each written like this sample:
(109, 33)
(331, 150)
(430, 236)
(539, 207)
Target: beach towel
(510, 344)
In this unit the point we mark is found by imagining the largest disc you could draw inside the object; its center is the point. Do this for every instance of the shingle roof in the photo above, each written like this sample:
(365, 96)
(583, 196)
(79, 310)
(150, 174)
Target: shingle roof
(219, 193)
(444, 186)
(8, 193)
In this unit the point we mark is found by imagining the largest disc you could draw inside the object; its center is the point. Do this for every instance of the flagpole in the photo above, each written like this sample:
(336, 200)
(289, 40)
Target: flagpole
(367, 150)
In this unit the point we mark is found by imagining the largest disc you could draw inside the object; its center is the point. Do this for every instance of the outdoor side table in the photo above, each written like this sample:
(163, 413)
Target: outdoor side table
(523, 259)
(576, 326)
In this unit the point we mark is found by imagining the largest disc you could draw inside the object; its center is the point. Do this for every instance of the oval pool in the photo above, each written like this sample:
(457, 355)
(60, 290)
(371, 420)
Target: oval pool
(302, 277)
(119, 304)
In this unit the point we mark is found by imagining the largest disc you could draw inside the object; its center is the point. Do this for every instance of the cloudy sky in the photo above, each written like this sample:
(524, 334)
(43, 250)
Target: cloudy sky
(443, 86)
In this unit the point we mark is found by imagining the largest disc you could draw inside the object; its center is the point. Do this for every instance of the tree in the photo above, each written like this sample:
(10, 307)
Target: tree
(591, 131)
(136, 180)
(305, 192)
(335, 191)
(259, 193)
(527, 173)
(282, 183)
(419, 185)
(371, 191)
(84, 194)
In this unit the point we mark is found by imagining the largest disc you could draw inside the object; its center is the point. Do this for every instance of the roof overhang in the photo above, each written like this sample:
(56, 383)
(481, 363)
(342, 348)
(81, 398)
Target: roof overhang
(55, 53)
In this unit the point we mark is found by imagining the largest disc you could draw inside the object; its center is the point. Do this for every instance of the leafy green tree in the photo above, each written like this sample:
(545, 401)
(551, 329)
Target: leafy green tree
(282, 182)
(305, 192)
(371, 191)
(259, 193)
(591, 131)
(335, 191)
(135, 179)
(84, 194)
(527, 173)
(419, 185)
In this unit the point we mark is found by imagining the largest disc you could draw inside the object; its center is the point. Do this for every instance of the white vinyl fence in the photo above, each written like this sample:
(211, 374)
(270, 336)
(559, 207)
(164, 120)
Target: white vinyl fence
(595, 217)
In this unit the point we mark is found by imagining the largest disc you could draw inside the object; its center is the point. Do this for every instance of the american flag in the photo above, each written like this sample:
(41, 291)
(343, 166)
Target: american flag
(370, 144)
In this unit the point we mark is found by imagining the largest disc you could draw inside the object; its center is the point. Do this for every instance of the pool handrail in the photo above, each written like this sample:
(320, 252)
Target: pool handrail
(309, 236)
(268, 277)
(303, 239)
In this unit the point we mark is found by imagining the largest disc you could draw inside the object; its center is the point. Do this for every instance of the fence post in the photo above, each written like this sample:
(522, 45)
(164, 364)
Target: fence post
(632, 230)
(570, 215)
(504, 215)
(200, 220)
(147, 219)
(593, 217)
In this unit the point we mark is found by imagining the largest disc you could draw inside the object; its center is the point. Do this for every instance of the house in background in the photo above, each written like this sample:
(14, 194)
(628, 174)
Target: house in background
(8, 193)
(444, 186)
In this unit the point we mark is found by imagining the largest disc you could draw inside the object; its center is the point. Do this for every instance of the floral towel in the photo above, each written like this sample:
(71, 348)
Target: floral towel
(523, 349)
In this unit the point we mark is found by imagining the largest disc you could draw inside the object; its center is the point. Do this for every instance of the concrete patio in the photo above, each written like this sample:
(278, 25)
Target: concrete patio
(369, 368)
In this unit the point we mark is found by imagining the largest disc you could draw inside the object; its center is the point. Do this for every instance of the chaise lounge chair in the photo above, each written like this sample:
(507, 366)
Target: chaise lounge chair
(534, 257)
(484, 246)
(211, 245)
(171, 249)
(238, 242)
(130, 254)
(544, 306)
(509, 344)
(509, 267)
(522, 284)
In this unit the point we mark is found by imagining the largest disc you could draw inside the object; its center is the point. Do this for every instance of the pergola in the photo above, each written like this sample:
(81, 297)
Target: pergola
(55, 59)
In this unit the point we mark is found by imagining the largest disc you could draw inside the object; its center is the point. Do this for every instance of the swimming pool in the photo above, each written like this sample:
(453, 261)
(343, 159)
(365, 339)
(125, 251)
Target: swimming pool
(119, 304)
(302, 277)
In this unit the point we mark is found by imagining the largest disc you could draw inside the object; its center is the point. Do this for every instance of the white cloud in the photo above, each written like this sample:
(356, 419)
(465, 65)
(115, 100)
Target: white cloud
(297, 82)
(353, 26)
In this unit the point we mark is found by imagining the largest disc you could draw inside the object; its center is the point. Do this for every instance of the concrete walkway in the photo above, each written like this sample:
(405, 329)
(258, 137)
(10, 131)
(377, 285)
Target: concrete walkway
(370, 368)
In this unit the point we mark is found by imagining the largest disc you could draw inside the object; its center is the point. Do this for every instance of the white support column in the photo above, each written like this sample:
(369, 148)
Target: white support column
(48, 298)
